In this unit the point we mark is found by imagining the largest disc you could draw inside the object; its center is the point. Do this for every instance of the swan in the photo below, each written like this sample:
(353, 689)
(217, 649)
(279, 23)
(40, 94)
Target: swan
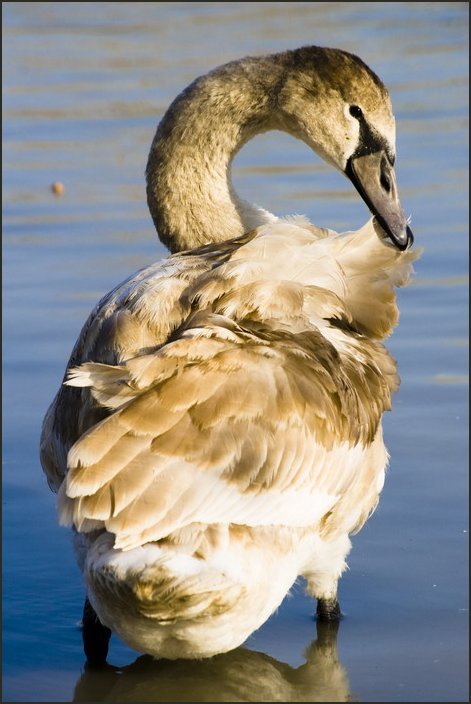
(218, 431)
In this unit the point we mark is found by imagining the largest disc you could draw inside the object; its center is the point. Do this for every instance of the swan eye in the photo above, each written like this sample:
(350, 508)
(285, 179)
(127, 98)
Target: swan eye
(356, 111)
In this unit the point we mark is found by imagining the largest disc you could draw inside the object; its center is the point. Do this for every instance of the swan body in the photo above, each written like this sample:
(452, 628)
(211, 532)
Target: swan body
(218, 432)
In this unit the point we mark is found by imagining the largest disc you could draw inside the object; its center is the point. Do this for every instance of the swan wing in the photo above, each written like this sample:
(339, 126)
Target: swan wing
(230, 424)
(231, 383)
(136, 316)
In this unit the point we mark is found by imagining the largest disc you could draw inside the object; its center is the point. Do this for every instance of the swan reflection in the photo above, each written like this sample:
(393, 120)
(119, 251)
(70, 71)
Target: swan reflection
(240, 675)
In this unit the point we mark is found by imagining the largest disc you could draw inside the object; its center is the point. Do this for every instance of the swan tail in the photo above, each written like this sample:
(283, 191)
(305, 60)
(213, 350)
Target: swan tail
(168, 601)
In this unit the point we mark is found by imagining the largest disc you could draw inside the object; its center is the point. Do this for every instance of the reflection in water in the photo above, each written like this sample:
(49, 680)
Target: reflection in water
(241, 675)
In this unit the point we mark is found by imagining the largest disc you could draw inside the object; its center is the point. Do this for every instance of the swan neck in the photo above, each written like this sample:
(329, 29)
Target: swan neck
(189, 189)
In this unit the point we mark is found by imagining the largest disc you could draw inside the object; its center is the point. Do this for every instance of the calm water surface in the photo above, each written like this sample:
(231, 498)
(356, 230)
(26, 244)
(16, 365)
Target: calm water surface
(84, 87)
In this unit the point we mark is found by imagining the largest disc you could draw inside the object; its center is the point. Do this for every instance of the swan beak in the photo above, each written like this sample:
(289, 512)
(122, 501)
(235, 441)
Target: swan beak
(374, 178)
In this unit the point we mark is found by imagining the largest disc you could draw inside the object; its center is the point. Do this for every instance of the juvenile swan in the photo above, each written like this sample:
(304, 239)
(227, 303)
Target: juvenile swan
(218, 432)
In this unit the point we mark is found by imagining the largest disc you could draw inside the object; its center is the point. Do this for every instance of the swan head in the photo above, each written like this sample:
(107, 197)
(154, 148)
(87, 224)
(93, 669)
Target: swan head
(336, 104)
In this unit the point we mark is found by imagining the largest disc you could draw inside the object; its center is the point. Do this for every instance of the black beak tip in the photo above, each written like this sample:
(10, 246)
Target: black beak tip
(405, 242)
(401, 241)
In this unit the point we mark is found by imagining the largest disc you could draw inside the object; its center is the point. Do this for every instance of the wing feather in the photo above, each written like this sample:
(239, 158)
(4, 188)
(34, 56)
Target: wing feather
(128, 484)
(85, 479)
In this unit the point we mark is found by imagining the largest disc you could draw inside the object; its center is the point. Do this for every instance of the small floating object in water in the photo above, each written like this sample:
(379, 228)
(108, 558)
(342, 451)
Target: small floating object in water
(57, 188)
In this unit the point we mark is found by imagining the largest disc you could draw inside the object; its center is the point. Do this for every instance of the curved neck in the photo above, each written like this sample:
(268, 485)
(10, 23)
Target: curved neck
(189, 189)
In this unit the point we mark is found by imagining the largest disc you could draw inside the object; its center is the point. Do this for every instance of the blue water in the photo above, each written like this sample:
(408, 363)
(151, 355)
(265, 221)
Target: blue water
(84, 87)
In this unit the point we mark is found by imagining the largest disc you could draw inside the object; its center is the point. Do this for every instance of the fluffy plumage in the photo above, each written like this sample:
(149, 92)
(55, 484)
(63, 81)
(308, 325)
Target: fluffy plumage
(219, 430)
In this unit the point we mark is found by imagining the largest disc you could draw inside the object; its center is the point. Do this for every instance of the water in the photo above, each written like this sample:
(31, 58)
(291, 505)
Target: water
(84, 87)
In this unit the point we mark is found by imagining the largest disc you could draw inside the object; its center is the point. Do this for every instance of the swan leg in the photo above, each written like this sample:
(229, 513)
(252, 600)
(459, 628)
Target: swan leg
(95, 635)
(325, 566)
(328, 610)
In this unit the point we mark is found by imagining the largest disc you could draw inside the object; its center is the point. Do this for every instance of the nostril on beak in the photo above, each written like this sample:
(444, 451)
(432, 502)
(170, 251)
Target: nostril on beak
(385, 182)
(384, 178)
